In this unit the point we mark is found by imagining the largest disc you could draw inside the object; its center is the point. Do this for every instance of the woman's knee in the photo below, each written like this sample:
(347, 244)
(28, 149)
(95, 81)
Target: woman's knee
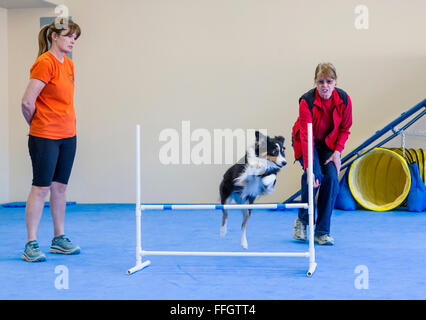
(332, 181)
(58, 187)
(40, 192)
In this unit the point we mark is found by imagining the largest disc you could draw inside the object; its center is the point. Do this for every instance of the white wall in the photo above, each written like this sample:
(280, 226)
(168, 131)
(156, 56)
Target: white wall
(219, 64)
(4, 110)
(23, 28)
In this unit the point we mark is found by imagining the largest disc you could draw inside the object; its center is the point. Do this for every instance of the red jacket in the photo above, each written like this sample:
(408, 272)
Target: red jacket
(336, 139)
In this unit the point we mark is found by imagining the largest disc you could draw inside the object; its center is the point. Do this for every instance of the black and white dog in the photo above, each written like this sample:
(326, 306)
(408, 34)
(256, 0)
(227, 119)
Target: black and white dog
(253, 177)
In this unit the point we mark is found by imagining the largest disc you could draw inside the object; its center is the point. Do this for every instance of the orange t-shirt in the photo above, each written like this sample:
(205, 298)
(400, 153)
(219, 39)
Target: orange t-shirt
(54, 116)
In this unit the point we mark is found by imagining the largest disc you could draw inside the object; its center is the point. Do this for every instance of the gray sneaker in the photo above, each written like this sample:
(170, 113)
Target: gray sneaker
(324, 239)
(63, 245)
(299, 230)
(32, 252)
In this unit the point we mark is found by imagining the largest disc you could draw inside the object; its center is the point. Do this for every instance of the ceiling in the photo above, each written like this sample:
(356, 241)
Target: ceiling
(22, 4)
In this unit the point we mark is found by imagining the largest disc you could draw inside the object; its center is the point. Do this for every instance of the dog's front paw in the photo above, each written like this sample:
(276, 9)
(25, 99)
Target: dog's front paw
(269, 182)
(270, 190)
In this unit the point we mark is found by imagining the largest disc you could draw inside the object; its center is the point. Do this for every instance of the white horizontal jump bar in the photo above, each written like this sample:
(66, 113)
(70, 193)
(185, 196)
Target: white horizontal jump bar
(277, 206)
(226, 253)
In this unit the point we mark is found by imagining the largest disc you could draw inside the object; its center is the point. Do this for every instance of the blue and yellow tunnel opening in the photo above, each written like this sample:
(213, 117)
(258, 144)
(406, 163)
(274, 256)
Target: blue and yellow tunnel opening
(380, 180)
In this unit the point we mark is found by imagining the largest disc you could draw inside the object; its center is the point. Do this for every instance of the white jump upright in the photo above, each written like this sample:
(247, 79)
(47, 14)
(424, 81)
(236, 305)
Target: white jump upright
(310, 254)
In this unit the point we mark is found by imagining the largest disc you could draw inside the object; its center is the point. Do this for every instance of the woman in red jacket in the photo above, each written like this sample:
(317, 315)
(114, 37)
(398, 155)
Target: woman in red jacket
(329, 109)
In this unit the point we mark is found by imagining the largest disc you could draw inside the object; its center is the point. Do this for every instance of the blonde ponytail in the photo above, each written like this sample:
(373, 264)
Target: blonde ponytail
(43, 44)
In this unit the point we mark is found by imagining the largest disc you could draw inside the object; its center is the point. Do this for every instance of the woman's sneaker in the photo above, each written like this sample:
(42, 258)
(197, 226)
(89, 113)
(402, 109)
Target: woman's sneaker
(324, 239)
(299, 230)
(32, 252)
(63, 245)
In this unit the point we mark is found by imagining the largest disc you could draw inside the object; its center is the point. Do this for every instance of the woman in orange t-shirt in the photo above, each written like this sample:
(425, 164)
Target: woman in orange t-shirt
(48, 108)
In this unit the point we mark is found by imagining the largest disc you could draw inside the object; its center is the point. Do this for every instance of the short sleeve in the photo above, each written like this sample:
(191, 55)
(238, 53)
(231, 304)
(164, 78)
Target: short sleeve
(42, 70)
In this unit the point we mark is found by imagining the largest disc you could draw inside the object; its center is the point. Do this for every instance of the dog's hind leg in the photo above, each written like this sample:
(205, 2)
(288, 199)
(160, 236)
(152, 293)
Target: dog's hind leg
(246, 216)
(223, 227)
(224, 198)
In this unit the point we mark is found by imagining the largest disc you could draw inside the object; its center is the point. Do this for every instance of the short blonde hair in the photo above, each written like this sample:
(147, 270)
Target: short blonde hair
(325, 69)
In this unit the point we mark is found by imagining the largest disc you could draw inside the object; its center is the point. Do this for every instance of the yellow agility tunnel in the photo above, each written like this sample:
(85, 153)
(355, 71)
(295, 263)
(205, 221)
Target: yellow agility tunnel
(380, 180)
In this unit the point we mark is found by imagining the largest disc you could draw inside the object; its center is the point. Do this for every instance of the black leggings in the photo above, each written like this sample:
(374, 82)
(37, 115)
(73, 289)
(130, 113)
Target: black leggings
(52, 160)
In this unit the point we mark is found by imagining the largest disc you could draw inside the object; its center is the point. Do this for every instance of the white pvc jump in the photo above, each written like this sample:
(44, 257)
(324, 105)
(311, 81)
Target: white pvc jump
(310, 254)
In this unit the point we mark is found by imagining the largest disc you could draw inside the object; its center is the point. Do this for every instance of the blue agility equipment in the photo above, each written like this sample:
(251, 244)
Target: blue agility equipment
(345, 200)
(416, 199)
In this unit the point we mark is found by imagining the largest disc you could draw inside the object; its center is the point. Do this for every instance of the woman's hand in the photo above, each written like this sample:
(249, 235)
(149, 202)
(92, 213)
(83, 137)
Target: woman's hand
(316, 182)
(335, 158)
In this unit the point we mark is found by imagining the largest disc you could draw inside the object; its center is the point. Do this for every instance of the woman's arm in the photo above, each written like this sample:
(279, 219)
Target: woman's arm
(30, 96)
(344, 131)
(345, 126)
(305, 117)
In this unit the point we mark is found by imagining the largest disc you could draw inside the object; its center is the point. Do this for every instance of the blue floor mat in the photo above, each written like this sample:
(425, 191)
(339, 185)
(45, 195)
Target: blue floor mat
(23, 204)
(388, 248)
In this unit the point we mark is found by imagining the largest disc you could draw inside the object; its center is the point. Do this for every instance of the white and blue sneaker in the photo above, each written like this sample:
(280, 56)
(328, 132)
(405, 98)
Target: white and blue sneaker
(63, 245)
(324, 239)
(299, 230)
(32, 252)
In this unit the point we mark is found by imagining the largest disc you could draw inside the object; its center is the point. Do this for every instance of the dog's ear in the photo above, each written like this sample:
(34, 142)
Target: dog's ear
(280, 139)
